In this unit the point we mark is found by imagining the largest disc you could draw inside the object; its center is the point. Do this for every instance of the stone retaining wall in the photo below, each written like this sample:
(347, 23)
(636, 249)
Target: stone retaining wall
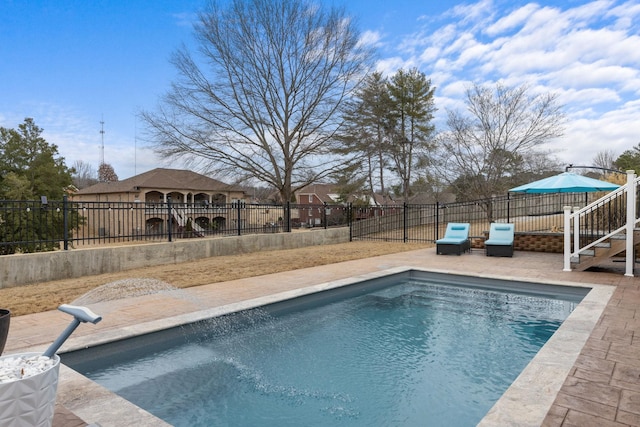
(21, 269)
(531, 241)
(539, 242)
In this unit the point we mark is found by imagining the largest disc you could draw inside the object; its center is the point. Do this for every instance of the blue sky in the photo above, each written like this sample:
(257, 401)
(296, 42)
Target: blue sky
(72, 64)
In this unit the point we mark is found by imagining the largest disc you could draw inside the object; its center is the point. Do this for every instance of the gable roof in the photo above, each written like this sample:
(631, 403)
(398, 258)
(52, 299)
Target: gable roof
(161, 178)
(325, 192)
(329, 193)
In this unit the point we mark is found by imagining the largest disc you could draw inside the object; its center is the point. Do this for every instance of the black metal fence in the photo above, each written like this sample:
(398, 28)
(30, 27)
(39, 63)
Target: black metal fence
(604, 217)
(427, 223)
(34, 226)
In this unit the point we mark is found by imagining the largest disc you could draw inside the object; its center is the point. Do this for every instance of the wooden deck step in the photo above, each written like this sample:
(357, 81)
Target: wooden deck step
(601, 252)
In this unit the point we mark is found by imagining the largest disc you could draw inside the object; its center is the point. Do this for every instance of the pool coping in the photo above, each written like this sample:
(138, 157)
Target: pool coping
(525, 403)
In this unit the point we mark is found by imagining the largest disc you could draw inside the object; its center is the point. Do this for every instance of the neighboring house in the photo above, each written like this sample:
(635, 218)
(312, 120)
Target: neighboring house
(432, 198)
(310, 201)
(317, 194)
(311, 197)
(192, 196)
(158, 185)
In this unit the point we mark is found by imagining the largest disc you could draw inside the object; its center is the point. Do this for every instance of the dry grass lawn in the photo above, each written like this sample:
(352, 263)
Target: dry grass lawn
(49, 295)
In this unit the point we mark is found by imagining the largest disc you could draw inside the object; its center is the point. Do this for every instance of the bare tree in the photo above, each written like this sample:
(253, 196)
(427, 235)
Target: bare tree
(262, 100)
(486, 150)
(605, 159)
(106, 173)
(84, 175)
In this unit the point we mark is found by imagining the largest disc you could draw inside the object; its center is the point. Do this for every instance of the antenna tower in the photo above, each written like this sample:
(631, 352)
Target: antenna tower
(102, 143)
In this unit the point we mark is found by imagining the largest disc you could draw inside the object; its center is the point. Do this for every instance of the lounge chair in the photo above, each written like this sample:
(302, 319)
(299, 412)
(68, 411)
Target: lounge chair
(500, 241)
(455, 240)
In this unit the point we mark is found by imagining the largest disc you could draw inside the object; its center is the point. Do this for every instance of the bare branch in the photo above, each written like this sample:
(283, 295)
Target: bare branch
(262, 95)
(486, 150)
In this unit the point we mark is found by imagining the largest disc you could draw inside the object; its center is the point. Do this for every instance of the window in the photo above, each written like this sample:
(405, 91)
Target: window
(310, 198)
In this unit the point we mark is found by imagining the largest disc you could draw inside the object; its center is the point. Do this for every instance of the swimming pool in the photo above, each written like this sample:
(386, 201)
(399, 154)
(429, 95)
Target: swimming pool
(379, 354)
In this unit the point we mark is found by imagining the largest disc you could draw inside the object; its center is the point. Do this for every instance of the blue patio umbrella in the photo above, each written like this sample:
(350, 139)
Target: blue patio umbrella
(566, 182)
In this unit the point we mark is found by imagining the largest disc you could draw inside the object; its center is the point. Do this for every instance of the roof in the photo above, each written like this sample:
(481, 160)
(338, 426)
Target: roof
(428, 198)
(161, 178)
(329, 193)
(325, 192)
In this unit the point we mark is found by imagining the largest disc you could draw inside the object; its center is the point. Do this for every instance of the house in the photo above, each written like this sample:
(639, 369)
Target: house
(318, 201)
(430, 198)
(160, 185)
(192, 200)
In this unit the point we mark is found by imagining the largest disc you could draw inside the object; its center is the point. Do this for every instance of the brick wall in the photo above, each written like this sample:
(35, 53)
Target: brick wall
(532, 241)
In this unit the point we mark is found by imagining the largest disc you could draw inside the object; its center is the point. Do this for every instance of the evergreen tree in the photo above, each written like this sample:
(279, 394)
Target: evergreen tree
(412, 108)
(390, 127)
(29, 166)
(629, 160)
(367, 131)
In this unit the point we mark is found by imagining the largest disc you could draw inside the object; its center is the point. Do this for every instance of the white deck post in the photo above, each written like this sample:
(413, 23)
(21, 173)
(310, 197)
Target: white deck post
(631, 222)
(576, 231)
(567, 238)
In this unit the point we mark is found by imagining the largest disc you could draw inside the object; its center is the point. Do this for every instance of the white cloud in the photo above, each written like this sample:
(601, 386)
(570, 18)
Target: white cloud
(588, 54)
(430, 54)
(390, 65)
(588, 96)
(185, 19)
(515, 19)
(475, 13)
(456, 90)
(592, 75)
(585, 14)
(77, 136)
(370, 38)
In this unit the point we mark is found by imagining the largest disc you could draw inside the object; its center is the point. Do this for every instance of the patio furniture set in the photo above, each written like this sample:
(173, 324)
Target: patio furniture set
(456, 240)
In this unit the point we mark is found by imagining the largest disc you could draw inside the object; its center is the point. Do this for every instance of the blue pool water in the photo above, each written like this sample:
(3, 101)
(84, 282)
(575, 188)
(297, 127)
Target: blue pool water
(413, 354)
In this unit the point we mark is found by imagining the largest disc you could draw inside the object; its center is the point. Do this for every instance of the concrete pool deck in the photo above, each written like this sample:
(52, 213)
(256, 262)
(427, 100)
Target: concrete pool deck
(601, 386)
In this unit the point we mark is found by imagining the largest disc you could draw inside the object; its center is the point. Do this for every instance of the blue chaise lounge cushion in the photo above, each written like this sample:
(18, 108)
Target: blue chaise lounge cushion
(455, 240)
(500, 235)
(456, 233)
(500, 241)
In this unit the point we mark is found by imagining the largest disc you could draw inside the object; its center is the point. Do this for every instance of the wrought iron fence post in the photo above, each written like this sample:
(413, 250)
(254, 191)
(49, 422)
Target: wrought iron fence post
(65, 221)
(405, 226)
(437, 227)
(508, 207)
(170, 217)
(238, 217)
(287, 216)
(350, 220)
(324, 214)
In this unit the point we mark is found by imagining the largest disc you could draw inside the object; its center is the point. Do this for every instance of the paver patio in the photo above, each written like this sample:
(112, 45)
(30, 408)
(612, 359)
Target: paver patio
(602, 388)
